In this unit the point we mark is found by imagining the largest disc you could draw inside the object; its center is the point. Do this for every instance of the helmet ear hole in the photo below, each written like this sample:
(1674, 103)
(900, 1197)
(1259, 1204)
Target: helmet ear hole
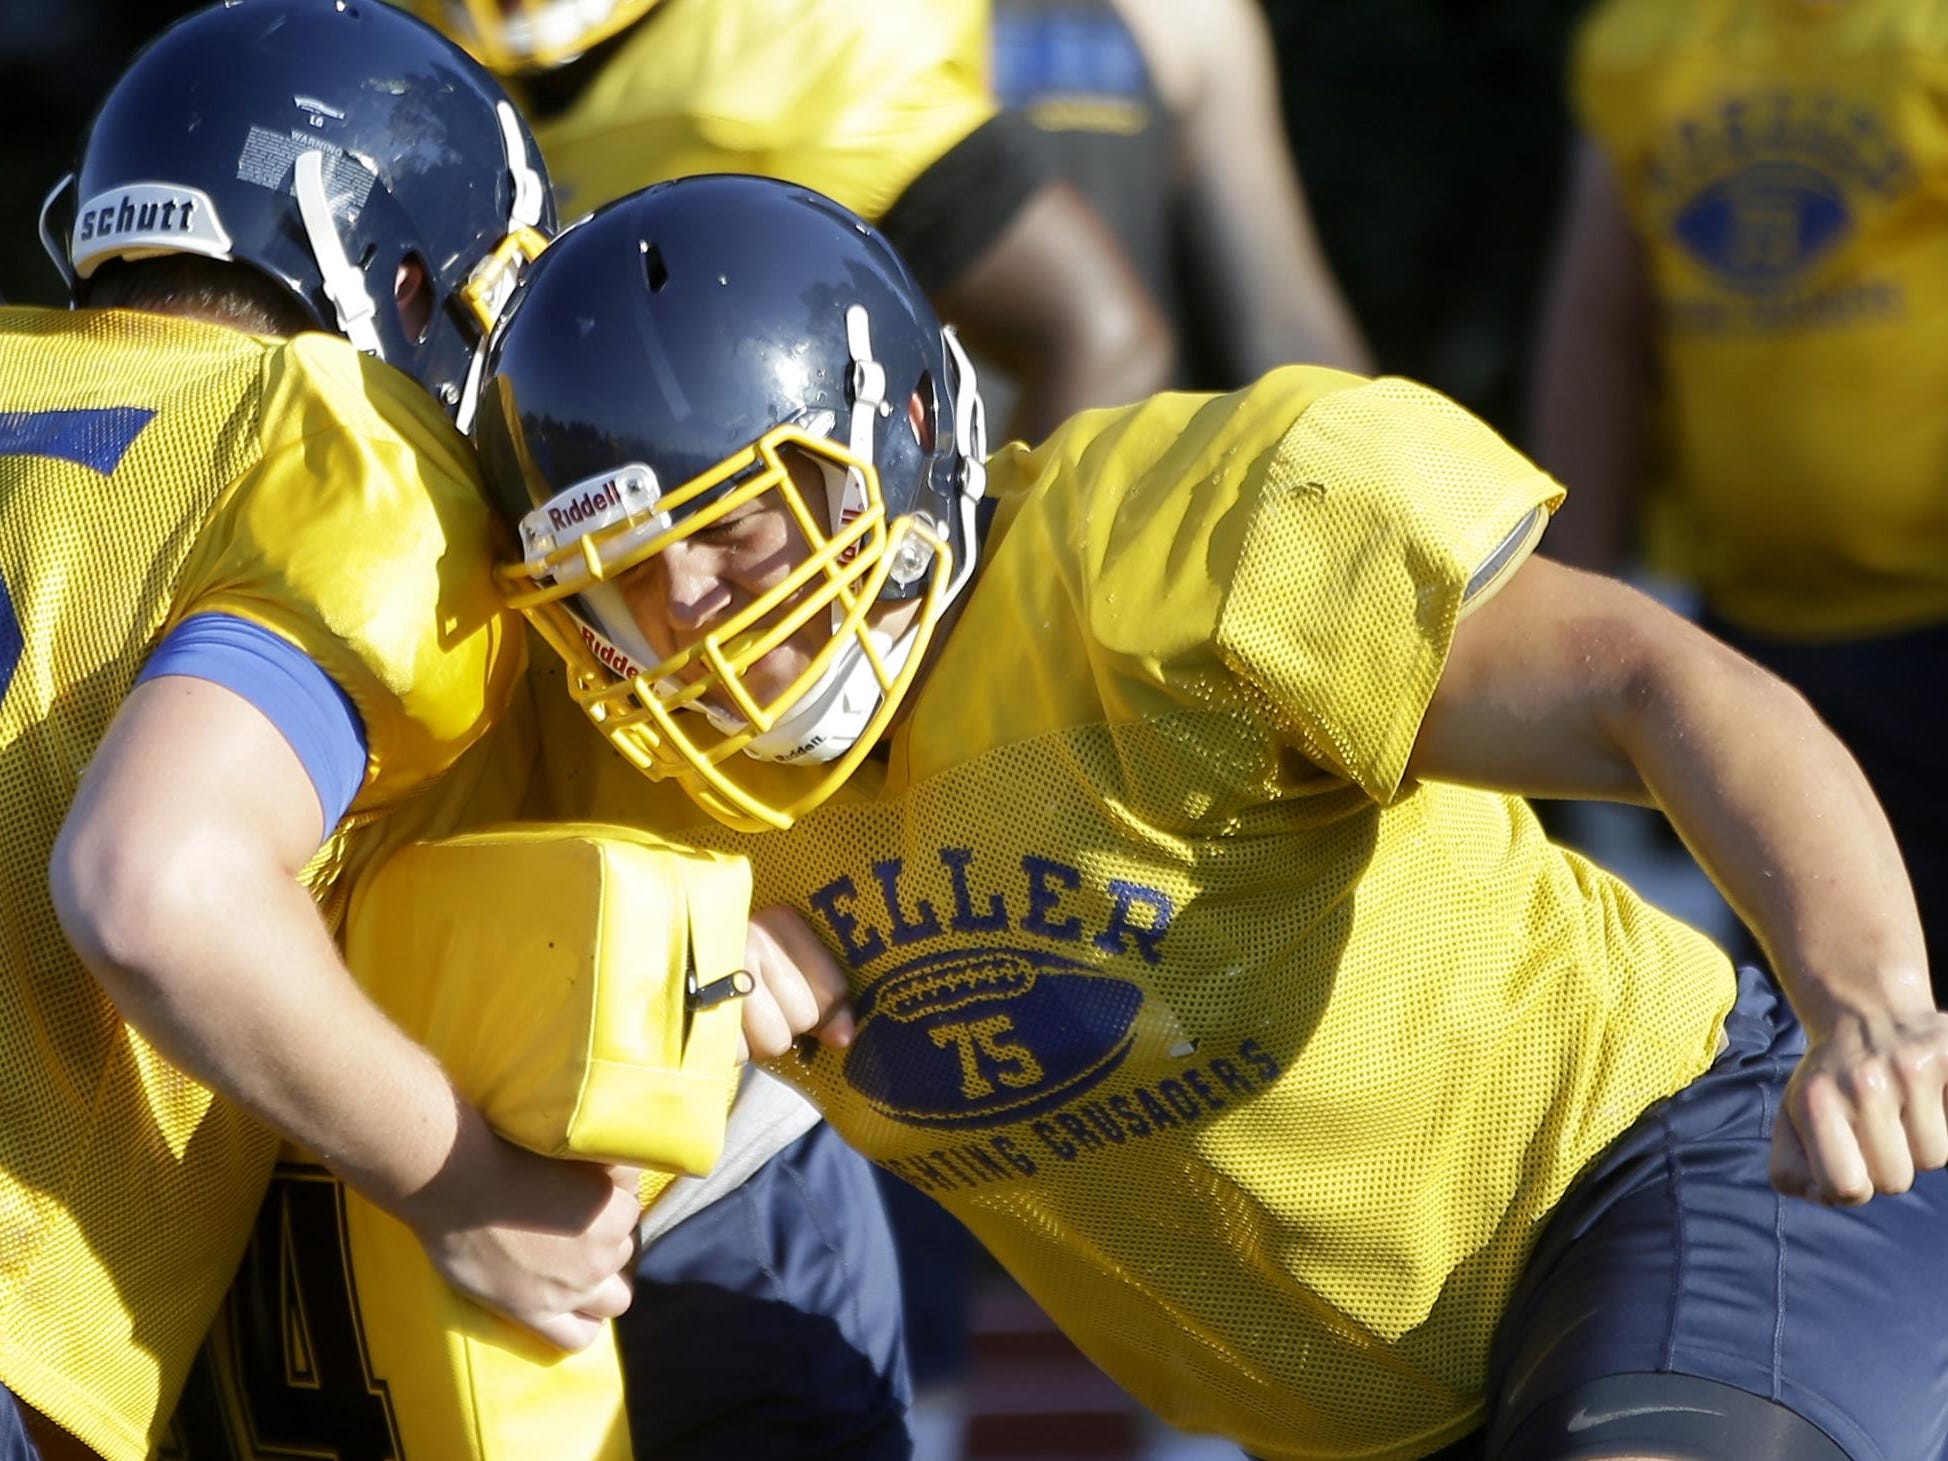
(922, 412)
(412, 292)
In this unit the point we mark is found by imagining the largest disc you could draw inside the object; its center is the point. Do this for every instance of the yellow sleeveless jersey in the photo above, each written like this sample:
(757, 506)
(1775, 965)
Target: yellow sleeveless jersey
(855, 98)
(151, 469)
(1259, 1066)
(1786, 164)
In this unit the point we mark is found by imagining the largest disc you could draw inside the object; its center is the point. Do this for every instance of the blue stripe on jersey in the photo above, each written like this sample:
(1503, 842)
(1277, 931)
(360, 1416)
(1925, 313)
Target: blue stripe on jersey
(11, 642)
(93, 438)
(305, 704)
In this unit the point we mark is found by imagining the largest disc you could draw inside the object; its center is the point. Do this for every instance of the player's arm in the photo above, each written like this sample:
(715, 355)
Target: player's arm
(1568, 684)
(175, 877)
(1032, 277)
(1594, 367)
(1249, 226)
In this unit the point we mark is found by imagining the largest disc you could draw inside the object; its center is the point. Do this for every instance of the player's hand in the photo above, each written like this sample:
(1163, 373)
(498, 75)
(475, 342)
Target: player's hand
(545, 1243)
(800, 988)
(1866, 1109)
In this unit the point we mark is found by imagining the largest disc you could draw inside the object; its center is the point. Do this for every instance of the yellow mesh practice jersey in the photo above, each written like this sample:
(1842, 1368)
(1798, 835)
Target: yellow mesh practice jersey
(855, 98)
(1786, 164)
(1257, 1065)
(151, 469)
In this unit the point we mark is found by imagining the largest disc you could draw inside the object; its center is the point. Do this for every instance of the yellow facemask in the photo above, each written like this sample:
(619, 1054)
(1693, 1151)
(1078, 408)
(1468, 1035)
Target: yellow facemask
(655, 714)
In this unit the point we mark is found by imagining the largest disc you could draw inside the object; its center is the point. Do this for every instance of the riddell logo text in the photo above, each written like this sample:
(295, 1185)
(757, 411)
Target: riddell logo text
(611, 658)
(126, 215)
(588, 505)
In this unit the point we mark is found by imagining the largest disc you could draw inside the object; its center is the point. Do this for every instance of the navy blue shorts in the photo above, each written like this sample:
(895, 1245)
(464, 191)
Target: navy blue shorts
(937, 1265)
(15, 1443)
(767, 1325)
(1673, 1257)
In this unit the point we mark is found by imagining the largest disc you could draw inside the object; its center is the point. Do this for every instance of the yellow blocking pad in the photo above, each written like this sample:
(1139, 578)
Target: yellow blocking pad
(464, 1384)
(339, 1340)
(546, 967)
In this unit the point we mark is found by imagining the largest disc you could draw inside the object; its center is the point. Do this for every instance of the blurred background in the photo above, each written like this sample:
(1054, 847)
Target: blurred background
(1429, 134)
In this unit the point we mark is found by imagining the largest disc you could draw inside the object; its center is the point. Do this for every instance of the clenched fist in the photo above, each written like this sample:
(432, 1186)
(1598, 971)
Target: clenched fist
(1866, 1109)
(799, 988)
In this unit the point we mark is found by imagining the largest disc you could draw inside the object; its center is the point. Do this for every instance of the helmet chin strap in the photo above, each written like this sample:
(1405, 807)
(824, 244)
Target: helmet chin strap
(845, 492)
(971, 444)
(56, 248)
(829, 719)
(344, 284)
(530, 193)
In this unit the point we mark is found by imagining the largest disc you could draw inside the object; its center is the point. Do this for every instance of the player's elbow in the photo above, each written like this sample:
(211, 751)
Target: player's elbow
(121, 897)
(1078, 361)
(1663, 681)
(1116, 349)
(1084, 365)
(1305, 323)
(1147, 351)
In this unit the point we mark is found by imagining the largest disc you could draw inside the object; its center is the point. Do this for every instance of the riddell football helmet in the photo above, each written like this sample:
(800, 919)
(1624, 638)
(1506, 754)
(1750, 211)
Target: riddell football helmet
(657, 369)
(326, 143)
(531, 35)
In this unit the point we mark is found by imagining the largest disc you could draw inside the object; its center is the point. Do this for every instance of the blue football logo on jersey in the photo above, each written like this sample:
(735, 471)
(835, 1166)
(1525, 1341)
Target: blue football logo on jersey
(1764, 226)
(980, 1037)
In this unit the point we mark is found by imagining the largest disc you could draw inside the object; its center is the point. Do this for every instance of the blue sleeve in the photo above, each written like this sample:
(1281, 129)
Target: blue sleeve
(304, 703)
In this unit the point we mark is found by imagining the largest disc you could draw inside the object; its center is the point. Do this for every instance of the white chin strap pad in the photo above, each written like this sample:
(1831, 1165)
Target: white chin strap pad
(829, 719)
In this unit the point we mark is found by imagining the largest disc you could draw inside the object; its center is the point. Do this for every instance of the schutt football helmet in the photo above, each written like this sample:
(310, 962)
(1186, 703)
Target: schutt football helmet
(655, 371)
(326, 143)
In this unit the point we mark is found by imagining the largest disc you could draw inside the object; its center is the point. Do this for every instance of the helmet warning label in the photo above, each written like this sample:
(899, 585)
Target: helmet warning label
(269, 159)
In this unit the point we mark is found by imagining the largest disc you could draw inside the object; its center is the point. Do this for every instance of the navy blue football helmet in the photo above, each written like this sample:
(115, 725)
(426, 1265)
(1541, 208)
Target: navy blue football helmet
(655, 371)
(327, 143)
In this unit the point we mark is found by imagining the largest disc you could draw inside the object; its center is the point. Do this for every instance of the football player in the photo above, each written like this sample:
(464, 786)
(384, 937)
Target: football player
(241, 625)
(888, 108)
(1160, 788)
(884, 107)
(1754, 263)
(1165, 114)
